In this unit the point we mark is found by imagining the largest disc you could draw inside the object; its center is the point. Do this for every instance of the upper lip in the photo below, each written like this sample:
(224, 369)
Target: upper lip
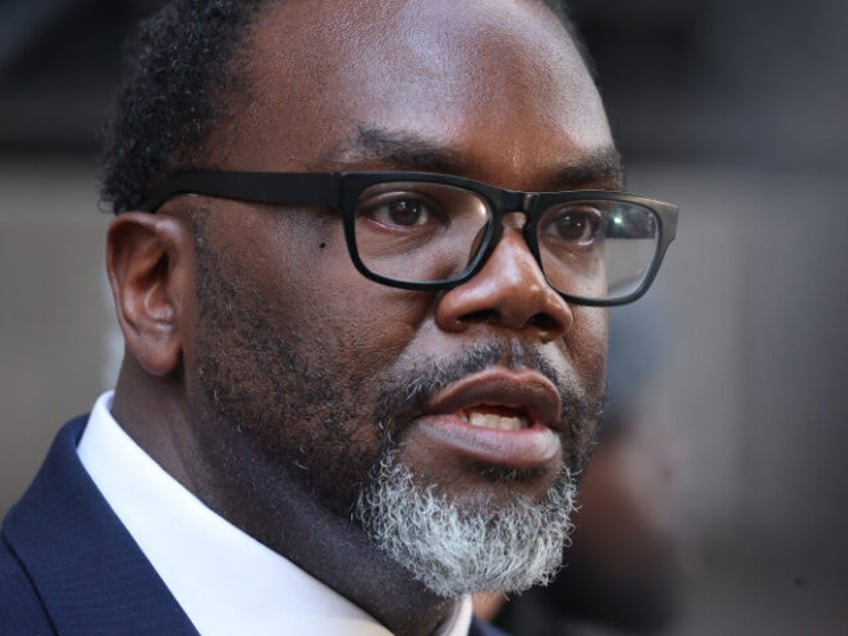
(524, 390)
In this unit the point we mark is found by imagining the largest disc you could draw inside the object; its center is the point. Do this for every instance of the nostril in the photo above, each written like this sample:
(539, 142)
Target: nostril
(489, 316)
(543, 322)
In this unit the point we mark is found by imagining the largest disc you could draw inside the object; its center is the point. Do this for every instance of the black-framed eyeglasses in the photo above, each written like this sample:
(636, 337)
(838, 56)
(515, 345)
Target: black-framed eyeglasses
(426, 231)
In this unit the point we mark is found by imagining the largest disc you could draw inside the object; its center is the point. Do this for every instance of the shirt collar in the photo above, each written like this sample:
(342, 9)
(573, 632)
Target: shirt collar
(224, 580)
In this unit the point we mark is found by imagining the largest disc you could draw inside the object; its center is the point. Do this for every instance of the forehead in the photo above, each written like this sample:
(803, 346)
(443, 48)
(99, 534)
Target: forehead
(498, 83)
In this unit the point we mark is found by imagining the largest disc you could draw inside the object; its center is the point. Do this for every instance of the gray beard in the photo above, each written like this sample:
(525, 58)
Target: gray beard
(453, 550)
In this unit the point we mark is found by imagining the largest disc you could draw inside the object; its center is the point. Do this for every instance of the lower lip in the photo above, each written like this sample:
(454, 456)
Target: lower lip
(528, 448)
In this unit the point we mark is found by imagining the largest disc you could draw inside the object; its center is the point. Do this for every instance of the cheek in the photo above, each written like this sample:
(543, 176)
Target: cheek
(296, 266)
(361, 323)
(586, 344)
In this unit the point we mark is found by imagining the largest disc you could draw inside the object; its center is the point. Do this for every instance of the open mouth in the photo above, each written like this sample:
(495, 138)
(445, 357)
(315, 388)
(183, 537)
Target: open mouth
(501, 400)
(498, 417)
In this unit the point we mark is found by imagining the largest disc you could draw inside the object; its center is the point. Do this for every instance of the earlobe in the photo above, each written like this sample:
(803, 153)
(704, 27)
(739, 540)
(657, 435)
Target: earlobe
(148, 262)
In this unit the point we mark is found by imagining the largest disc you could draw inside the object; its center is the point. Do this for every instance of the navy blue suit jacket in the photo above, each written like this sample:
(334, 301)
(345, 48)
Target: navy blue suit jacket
(68, 566)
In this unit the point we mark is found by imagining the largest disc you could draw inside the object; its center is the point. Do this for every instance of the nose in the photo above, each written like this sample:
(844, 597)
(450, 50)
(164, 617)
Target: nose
(510, 292)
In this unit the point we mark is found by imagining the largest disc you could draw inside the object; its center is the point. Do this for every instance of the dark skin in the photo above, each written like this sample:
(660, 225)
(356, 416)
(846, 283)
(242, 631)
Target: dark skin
(257, 356)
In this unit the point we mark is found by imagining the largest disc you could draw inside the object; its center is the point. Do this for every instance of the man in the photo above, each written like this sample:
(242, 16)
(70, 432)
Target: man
(350, 396)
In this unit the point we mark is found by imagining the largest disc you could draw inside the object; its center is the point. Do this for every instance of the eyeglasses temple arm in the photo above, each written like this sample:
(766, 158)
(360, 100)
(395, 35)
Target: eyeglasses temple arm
(320, 189)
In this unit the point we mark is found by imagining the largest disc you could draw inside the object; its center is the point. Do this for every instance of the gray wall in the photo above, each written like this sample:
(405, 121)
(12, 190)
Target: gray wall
(757, 393)
(54, 317)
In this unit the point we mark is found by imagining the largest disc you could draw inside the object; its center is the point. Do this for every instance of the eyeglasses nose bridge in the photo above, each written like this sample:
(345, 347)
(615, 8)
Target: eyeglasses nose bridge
(512, 204)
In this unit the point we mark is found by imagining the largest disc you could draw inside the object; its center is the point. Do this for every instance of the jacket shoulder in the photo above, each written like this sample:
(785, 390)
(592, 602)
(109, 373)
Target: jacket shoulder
(69, 566)
(21, 610)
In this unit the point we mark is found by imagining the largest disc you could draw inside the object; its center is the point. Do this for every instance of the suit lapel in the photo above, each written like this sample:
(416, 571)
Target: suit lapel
(91, 575)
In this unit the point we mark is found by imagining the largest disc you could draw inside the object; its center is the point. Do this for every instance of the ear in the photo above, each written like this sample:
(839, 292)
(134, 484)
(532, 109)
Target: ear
(149, 260)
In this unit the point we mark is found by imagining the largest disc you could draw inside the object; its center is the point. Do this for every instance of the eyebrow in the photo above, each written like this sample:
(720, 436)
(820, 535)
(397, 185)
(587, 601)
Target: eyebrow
(374, 148)
(600, 169)
(400, 150)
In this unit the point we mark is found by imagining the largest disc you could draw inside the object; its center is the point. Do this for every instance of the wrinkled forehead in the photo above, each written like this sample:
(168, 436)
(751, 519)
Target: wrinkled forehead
(455, 72)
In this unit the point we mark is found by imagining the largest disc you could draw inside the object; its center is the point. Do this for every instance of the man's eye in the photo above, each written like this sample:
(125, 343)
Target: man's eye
(400, 211)
(574, 224)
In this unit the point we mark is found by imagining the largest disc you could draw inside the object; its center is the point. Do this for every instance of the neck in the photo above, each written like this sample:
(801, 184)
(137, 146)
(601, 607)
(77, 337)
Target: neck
(286, 516)
(274, 506)
(356, 570)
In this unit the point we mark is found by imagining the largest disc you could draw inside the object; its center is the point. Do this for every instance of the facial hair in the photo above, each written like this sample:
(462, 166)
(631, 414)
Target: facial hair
(454, 550)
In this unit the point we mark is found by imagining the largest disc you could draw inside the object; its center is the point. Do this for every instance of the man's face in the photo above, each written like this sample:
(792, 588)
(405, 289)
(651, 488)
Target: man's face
(301, 370)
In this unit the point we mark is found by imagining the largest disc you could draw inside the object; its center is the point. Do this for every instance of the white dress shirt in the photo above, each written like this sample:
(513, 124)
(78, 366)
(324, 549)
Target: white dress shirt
(225, 581)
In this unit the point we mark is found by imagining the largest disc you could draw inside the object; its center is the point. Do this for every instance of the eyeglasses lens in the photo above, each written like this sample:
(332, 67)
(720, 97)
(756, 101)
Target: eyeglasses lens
(597, 249)
(419, 231)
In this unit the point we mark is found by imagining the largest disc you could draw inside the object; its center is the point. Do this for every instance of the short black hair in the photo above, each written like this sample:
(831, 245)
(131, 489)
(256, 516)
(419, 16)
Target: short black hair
(180, 68)
(182, 71)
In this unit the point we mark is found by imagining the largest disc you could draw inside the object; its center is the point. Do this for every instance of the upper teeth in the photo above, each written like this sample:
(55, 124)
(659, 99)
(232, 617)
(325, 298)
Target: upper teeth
(489, 420)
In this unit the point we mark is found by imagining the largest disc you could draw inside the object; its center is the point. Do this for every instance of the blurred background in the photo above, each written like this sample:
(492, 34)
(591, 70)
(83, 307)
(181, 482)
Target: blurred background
(736, 111)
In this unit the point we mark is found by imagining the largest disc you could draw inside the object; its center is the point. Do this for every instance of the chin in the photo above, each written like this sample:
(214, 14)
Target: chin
(462, 545)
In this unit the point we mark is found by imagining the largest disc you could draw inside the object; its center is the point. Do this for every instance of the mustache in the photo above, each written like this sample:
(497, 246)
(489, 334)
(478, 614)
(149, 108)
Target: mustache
(402, 399)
